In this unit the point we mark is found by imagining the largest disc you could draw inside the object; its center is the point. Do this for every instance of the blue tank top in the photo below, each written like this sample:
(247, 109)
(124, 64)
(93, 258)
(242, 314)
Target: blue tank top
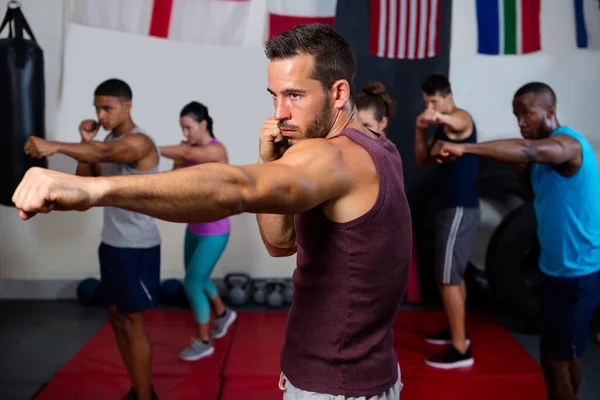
(457, 180)
(568, 214)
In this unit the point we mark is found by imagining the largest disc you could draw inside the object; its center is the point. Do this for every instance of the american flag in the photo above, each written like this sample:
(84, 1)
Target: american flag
(405, 29)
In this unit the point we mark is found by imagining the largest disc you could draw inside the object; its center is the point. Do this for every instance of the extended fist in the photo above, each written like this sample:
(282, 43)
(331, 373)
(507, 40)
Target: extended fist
(88, 129)
(429, 117)
(42, 191)
(272, 144)
(38, 148)
(446, 152)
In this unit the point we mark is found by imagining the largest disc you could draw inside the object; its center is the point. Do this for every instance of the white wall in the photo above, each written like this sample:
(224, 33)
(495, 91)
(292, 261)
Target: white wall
(165, 75)
(485, 85)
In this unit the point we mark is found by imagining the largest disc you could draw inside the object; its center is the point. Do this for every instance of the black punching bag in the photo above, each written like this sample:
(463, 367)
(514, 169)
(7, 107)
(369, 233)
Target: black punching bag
(22, 100)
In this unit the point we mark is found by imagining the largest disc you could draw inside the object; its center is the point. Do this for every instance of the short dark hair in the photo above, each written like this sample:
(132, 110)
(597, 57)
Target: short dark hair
(114, 88)
(374, 96)
(199, 112)
(334, 58)
(436, 84)
(538, 88)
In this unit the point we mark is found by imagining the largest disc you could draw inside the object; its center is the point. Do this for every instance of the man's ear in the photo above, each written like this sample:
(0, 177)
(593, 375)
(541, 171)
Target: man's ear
(127, 104)
(340, 91)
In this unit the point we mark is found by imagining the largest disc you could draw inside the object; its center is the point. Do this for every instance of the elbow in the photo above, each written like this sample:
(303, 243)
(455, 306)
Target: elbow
(102, 154)
(281, 251)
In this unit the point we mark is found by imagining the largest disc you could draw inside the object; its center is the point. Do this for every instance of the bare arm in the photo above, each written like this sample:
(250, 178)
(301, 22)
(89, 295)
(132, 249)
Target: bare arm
(84, 169)
(423, 149)
(310, 174)
(459, 121)
(277, 233)
(555, 150)
(128, 150)
(196, 154)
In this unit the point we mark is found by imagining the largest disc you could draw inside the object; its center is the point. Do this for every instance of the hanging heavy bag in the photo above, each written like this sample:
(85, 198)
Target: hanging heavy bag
(22, 100)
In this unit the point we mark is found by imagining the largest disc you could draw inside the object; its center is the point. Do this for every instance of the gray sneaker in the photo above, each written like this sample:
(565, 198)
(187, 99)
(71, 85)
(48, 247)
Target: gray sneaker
(223, 324)
(197, 350)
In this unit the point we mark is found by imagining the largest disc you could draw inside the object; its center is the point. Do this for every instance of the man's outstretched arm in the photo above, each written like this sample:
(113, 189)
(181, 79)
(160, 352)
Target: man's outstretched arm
(312, 173)
(556, 150)
(130, 149)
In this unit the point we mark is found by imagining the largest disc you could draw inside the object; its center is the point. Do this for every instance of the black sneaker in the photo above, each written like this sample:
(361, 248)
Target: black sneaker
(132, 395)
(443, 337)
(451, 358)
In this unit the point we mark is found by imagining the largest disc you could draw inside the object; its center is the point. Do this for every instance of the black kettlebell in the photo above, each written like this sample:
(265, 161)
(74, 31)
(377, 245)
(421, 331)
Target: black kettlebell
(288, 294)
(238, 287)
(275, 293)
(259, 292)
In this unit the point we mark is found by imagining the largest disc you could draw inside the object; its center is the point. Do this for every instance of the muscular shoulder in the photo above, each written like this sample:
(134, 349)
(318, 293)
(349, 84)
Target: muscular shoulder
(309, 152)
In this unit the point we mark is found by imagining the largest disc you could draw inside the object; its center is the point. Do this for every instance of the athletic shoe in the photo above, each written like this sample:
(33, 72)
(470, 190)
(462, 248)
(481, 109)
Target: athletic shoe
(451, 358)
(197, 350)
(443, 337)
(132, 395)
(223, 323)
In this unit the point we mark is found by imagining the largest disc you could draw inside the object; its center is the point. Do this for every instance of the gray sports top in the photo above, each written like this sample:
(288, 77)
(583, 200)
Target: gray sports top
(124, 228)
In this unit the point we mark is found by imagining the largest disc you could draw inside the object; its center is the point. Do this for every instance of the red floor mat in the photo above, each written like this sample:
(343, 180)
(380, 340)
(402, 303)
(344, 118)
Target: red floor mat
(245, 364)
(503, 368)
(256, 348)
(97, 368)
(169, 332)
(77, 386)
(496, 352)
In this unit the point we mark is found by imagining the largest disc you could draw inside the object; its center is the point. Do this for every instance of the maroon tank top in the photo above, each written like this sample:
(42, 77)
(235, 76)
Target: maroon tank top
(348, 284)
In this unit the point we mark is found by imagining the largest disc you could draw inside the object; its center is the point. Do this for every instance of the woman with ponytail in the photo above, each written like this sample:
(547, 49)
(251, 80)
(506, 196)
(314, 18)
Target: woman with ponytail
(375, 107)
(204, 242)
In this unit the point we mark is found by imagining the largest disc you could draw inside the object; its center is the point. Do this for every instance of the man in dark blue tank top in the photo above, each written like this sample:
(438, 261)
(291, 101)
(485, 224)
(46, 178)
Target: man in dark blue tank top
(457, 218)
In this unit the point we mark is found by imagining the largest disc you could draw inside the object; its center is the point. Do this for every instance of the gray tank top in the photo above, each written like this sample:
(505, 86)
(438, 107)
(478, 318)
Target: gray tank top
(124, 228)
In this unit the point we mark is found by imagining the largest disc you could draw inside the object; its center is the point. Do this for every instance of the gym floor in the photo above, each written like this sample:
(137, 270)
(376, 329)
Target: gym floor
(38, 337)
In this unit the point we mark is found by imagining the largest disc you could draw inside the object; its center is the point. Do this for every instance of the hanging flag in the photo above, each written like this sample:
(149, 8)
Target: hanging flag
(587, 23)
(285, 14)
(508, 26)
(221, 22)
(405, 28)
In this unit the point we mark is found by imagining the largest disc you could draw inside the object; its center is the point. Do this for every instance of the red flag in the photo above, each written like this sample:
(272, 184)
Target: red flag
(285, 14)
(221, 22)
(405, 28)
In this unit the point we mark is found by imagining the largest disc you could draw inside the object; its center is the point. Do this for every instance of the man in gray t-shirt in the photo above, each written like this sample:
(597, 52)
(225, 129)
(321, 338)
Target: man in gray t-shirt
(129, 252)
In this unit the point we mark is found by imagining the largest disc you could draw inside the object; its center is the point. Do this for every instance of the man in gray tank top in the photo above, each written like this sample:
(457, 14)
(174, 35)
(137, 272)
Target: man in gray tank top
(129, 252)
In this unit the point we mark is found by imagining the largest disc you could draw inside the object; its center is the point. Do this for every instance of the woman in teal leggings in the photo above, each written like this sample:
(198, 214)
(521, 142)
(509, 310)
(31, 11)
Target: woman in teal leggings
(204, 242)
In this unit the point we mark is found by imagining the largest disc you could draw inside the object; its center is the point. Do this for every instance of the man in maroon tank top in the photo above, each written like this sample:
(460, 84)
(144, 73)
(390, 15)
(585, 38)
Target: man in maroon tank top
(324, 187)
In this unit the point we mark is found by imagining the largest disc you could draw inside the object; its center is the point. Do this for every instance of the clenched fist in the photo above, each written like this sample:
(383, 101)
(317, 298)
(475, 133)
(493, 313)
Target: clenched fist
(272, 144)
(42, 191)
(38, 148)
(446, 152)
(429, 117)
(88, 129)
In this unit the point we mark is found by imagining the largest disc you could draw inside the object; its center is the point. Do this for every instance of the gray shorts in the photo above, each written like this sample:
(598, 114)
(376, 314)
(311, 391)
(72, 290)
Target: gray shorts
(290, 392)
(455, 232)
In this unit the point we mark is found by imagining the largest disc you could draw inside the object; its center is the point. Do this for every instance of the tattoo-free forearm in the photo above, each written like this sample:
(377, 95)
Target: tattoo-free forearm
(277, 231)
(508, 151)
(202, 193)
(85, 152)
(84, 169)
(421, 149)
(173, 152)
